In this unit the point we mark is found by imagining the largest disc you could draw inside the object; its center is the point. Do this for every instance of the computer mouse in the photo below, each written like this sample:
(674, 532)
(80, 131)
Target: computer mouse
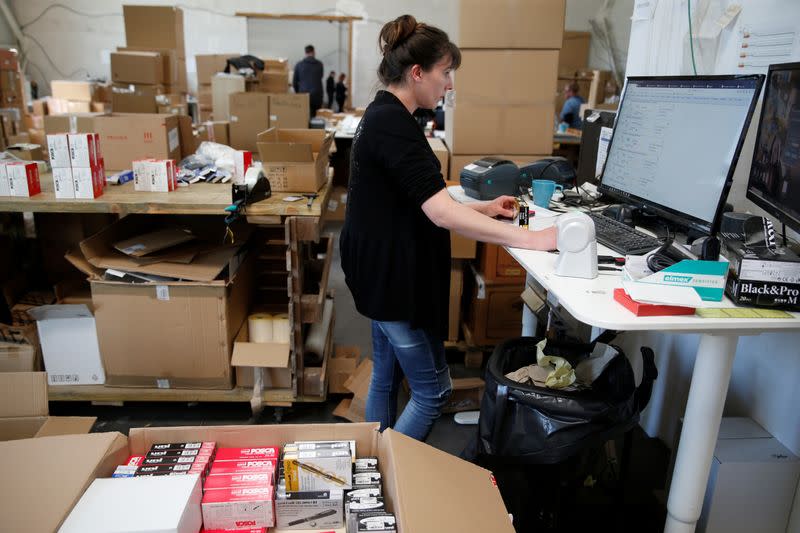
(620, 213)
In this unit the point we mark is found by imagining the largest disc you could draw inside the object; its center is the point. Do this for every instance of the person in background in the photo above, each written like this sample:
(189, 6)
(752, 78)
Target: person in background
(571, 112)
(308, 79)
(395, 243)
(341, 92)
(330, 88)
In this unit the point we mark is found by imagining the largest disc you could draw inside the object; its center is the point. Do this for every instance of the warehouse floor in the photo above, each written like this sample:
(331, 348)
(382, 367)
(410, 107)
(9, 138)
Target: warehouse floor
(582, 500)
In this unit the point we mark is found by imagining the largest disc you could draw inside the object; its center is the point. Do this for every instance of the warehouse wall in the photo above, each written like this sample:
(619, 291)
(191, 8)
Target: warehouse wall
(76, 42)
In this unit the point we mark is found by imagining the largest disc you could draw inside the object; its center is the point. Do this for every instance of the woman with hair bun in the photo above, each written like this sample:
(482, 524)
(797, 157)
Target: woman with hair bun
(395, 243)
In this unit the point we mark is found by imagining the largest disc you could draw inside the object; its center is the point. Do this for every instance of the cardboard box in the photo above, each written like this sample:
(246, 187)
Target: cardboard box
(514, 24)
(126, 137)
(33, 499)
(209, 64)
(288, 111)
(249, 115)
(485, 128)
(24, 411)
(341, 366)
(456, 291)
(274, 82)
(75, 123)
(354, 408)
(295, 160)
(271, 359)
(205, 96)
(222, 87)
(574, 53)
(154, 26)
(174, 62)
(27, 151)
(69, 344)
(216, 131)
(8, 60)
(79, 91)
(137, 67)
(495, 313)
(167, 504)
(442, 154)
(19, 349)
(507, 77)
(129, 98)
(337, 204)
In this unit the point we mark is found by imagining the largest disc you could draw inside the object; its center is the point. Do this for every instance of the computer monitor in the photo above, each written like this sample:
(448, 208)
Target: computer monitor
(774, 183)
(675, 145)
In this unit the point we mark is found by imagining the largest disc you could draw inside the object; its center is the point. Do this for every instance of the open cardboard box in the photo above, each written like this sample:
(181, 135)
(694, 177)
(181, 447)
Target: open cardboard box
(427, 489)
(294, 160)
(19, 348)
(24, 409)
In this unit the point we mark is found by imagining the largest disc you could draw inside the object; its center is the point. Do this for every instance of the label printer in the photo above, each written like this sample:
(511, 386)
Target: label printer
(490, 177)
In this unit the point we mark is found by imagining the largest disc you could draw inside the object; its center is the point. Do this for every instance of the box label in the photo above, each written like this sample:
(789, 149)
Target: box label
(162, 292)
(173, 139)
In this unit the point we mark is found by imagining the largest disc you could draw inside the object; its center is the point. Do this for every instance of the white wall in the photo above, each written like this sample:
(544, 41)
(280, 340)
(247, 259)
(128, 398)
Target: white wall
(78, 43)
(615, 15)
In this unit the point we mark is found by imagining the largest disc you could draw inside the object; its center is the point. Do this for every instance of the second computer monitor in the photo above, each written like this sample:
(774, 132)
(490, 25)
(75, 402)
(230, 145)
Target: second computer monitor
(676, 142)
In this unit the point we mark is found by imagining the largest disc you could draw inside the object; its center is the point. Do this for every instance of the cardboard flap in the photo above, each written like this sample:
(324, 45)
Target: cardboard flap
(23, 427)
(60, 311)
(466, 497)
(35, 500)
(77, 259)
(23, 394)
(66, 425)
(154, 241)
(264, 355)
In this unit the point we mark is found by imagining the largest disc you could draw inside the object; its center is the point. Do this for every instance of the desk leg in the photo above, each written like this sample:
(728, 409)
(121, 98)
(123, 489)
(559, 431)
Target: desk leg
(710, 378)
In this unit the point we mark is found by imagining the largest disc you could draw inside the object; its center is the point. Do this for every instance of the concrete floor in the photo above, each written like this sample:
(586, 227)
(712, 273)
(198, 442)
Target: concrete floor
(586, 506)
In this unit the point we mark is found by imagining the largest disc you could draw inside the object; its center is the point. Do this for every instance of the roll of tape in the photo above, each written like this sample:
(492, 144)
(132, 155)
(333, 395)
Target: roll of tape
(251, 177)
(280, 328)
(260, 326)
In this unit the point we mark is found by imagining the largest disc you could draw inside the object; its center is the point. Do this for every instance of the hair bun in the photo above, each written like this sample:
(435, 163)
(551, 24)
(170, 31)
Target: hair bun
(395, 32)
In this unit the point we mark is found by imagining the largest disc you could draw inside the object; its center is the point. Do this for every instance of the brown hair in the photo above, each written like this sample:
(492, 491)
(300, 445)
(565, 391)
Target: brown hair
(574, 87)
(405, 42)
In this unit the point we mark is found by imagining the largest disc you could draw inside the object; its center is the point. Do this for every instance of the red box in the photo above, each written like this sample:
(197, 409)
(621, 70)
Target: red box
(238, 508)
(242, 160)
(82, 150)
(181, 453)
(644, 309)
(239, 480)
(235, 467)
(135, 460)
(245, 454)
(248, 530)
(23, 178)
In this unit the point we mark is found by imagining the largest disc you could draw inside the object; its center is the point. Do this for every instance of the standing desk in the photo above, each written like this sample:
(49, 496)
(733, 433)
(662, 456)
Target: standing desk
(592, 302)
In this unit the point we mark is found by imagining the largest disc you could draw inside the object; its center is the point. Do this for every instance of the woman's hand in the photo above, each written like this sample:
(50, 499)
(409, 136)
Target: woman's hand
(504, 206)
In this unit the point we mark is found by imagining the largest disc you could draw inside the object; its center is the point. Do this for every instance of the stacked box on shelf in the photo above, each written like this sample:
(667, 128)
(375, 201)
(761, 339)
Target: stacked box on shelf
(153, 62)
(11, 81)
(77, 97)
(275, 77)
(502, 101)
(207, 65)
(78, 167)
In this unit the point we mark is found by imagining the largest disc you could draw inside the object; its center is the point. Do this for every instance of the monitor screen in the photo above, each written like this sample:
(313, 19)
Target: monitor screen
(775, 173)
(676, 142)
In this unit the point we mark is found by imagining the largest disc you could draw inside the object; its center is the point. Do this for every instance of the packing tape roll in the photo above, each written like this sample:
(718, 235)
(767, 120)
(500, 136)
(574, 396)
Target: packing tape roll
(260, 327)
(280, 328)
(251, 177)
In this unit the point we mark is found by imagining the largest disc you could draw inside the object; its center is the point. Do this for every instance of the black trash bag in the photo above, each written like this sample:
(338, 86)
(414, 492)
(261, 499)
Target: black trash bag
(528, 425)
(244, 62)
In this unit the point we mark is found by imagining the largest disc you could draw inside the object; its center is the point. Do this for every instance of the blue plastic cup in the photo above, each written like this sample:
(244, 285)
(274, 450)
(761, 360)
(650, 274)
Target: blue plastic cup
(543, 190)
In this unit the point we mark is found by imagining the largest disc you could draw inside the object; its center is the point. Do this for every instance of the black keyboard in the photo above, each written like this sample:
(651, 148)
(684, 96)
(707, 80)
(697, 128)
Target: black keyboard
(621, 237)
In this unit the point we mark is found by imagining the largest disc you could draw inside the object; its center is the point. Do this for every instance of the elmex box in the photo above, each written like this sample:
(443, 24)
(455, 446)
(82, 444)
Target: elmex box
(238, 508)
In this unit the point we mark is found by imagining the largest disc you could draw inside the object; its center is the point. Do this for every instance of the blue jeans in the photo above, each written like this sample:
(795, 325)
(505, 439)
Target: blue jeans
(399, 350)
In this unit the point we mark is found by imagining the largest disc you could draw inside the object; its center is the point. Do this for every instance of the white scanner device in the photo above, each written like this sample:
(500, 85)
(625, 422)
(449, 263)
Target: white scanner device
(577, 246)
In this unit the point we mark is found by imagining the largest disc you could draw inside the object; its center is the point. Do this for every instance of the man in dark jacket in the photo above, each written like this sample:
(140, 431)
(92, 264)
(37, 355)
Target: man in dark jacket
(330, 88)
(308, 79)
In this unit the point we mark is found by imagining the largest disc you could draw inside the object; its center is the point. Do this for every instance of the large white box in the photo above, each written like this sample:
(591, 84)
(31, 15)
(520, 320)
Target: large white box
(62, 182)
(163, 504)
(58, 149)
(69, 344)
(752, 481)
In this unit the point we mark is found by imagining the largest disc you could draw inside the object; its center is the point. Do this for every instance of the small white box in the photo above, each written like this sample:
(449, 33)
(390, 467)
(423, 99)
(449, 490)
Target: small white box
(238, 508)
(23, 179)
(82, 150)
(69, 344)
(141, 175)
(62, 182)
(164, 504)
(161, 175)
(58, 149)
(83, 181)
(306, 510)
(5, 184)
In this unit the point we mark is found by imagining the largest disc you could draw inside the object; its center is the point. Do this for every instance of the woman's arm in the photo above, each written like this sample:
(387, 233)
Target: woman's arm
(473, 223)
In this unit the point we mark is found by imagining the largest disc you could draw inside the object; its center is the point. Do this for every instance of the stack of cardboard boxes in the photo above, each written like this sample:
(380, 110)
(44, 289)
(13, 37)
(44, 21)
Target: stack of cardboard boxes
(253, 112)
(594, 85)
(207, 66)
(150, 71)
(78, 97)
(502, 105)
